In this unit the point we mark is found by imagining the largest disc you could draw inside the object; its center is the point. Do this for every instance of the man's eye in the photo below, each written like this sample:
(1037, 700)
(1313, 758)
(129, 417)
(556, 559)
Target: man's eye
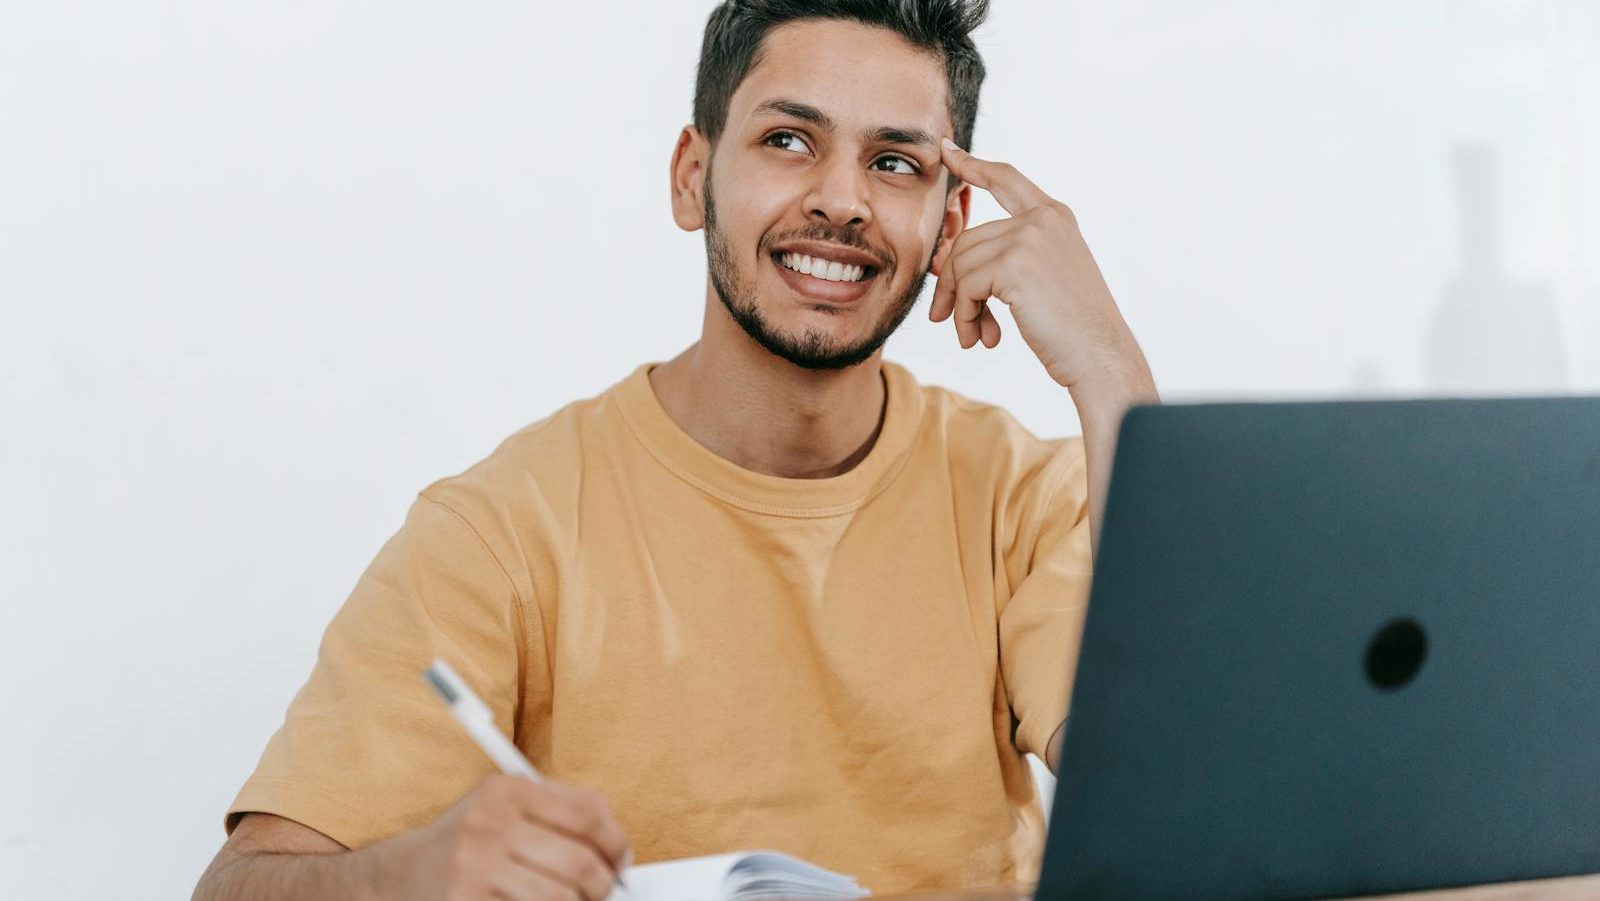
(787, 140)
(899, 165)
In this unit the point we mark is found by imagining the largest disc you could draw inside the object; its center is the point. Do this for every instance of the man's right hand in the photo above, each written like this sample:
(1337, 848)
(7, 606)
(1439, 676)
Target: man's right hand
(516, 839)
(509, 838)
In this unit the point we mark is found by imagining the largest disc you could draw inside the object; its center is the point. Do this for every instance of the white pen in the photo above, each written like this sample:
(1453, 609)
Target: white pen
(475, 717)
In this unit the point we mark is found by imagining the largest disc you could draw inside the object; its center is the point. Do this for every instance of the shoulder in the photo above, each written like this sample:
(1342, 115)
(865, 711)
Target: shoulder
(536, 471)
(985, 441)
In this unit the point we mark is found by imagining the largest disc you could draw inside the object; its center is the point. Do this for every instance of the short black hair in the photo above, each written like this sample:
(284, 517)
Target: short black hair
(736, 28)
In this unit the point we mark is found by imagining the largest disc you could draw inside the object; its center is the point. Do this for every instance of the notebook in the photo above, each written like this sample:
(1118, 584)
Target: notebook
(738, 876)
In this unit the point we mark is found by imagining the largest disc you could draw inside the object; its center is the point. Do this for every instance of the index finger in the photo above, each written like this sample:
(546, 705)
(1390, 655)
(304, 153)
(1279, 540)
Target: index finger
(1011, 188)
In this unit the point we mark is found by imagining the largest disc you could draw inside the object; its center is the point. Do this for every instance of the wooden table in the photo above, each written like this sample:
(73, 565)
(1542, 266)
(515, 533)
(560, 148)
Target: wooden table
(1586, 888)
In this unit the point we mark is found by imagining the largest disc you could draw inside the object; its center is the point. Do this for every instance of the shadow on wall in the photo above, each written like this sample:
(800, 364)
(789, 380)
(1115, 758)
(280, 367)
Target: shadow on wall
(1491, 334)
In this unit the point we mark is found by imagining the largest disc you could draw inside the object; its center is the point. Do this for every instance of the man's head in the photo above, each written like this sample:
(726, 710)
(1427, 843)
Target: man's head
(816, 142)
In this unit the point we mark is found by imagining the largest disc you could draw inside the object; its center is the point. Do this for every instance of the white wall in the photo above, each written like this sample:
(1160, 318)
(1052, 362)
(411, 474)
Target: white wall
(267, 269)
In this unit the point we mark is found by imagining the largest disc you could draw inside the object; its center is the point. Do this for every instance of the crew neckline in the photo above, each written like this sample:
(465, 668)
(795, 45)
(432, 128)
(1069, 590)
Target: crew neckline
(775, 495)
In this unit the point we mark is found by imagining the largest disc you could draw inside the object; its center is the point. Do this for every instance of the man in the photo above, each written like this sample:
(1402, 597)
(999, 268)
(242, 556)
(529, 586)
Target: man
(770, 593)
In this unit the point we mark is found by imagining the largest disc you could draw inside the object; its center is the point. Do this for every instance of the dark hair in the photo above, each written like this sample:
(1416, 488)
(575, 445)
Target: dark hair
(736, 28)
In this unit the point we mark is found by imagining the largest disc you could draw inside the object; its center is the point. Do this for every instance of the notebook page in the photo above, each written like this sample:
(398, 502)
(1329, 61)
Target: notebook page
(689, 879)
(772, 876)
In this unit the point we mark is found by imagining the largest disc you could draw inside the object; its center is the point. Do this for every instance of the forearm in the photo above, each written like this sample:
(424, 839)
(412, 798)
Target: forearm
(1100, 410)
(263, 876)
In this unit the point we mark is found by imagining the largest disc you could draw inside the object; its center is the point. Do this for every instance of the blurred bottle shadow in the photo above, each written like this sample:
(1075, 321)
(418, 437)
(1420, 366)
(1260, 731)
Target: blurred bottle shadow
(1491, 334)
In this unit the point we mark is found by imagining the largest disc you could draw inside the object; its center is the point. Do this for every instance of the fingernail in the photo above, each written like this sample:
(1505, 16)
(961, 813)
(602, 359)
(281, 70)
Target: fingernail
(949, 144)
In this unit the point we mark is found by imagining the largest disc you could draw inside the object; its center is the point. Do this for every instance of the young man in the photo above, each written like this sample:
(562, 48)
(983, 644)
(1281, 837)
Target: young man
(771, 593)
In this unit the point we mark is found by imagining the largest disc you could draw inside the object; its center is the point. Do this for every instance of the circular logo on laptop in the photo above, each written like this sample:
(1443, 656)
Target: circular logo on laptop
(1396, 653)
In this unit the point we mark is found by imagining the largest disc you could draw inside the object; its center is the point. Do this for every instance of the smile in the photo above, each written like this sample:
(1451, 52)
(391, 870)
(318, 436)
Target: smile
(827, 270)
(826, 274)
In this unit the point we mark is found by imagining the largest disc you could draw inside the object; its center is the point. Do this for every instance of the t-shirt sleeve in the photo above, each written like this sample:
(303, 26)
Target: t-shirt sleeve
(366, 750)
(1046, 568)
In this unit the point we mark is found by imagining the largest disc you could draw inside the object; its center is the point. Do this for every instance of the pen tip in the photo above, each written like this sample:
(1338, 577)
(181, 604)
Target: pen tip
(440, 684)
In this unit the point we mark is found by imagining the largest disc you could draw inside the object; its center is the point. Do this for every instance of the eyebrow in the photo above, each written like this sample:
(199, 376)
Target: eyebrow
(884, 134)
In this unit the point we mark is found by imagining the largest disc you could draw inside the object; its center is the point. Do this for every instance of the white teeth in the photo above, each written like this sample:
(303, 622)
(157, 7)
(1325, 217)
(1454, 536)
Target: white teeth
(827, 270)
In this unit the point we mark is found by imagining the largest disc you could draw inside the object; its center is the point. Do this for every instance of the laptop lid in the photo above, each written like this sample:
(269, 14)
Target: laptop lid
(1338, 649)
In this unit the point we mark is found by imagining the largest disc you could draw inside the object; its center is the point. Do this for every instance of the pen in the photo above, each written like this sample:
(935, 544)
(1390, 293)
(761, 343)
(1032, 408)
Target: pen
(475, 717)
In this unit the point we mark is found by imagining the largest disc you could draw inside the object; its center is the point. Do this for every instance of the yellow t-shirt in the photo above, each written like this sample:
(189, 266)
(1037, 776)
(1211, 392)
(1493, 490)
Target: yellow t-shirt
(846, 669)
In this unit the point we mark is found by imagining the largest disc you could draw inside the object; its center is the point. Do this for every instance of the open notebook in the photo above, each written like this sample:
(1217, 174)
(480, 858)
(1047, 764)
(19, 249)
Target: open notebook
(739, 876)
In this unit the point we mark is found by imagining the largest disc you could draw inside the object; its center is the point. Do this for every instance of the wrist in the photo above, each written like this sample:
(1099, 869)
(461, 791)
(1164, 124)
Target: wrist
(1102, 400)
(378, 870)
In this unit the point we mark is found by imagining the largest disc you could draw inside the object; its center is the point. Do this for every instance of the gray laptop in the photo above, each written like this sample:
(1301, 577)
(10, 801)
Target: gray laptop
(1336, 650)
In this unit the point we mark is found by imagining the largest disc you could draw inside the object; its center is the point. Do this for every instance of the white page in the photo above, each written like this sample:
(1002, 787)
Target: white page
(689, 879)
(763, 874)
(705, 878)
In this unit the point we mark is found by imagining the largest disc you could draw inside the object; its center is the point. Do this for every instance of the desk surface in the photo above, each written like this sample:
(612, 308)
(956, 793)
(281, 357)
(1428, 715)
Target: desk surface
(1569, 889)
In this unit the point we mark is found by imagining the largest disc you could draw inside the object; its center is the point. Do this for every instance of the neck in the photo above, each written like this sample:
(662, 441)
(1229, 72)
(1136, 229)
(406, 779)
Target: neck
(765, 414)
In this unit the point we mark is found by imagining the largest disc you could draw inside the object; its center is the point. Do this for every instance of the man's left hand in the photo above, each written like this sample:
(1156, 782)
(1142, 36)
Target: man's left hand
(1037, 263)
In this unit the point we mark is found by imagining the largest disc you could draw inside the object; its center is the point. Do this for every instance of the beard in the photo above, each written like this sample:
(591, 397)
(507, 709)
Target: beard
(813, 348)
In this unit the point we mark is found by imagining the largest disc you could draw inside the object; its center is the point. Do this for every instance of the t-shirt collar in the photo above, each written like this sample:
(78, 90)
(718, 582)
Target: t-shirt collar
(776, 495)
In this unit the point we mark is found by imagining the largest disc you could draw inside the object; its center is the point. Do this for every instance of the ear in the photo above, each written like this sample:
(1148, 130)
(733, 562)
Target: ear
(957, 207)
(691, 159)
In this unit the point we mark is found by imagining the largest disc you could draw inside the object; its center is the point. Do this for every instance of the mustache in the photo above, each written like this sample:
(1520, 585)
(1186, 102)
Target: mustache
(822, 231)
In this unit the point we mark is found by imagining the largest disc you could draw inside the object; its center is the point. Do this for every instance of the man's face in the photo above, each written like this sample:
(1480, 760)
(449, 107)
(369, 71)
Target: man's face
(825, 199)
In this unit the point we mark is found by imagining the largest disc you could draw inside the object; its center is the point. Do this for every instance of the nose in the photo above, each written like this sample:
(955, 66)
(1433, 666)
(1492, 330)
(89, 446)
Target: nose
(839, 194)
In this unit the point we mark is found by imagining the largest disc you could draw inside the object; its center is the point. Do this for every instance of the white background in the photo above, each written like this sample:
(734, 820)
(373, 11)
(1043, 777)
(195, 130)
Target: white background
(267, 269)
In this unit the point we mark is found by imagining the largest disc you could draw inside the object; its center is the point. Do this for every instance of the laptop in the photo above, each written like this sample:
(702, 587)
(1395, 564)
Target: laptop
(1338, 649)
